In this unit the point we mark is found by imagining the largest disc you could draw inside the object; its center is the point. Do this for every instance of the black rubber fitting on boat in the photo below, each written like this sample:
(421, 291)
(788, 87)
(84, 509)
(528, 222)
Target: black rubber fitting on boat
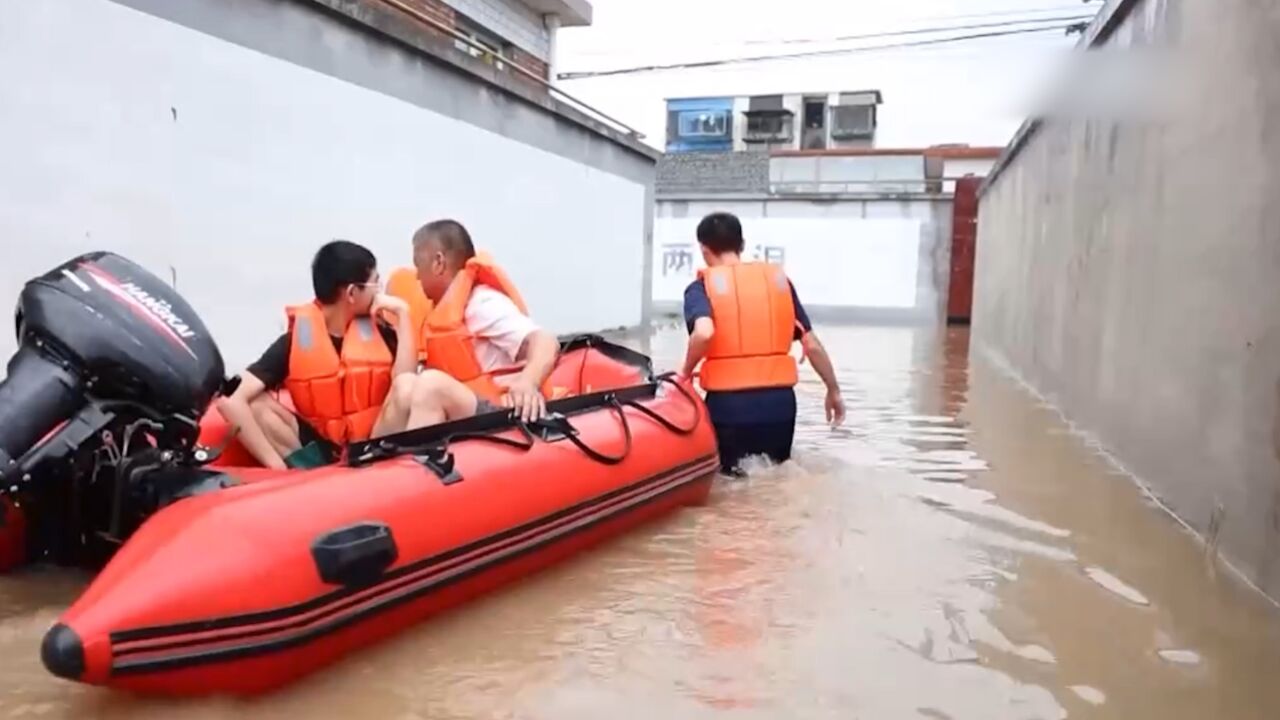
(62, 652)
(355, 555)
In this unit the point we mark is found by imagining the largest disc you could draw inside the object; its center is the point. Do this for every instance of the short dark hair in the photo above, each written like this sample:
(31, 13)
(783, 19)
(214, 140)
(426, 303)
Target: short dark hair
(721, 232)
(338, 264)
(455, 241)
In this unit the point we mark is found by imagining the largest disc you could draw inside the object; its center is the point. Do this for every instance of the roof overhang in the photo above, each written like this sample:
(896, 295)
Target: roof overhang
(572, 13)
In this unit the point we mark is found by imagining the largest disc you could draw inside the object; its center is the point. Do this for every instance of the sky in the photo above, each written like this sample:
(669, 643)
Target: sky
(976, 92)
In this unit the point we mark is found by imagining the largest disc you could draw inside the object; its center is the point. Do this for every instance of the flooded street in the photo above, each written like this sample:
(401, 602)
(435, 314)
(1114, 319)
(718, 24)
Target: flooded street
(953, 552)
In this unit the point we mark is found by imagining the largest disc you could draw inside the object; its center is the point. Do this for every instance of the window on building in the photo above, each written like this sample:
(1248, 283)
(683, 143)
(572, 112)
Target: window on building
(703, 123)
(853, 121)
(768, 126)
(497, 47)
(815, 114)
(768, 120)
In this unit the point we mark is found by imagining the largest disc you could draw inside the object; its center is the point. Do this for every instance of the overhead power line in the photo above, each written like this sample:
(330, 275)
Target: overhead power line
(1007, 22)
(1024, 16)
(817, 53)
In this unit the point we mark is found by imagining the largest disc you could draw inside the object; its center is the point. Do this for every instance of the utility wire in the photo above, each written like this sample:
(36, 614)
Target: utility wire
(924, 31)
(1028, 14)
(812, 53)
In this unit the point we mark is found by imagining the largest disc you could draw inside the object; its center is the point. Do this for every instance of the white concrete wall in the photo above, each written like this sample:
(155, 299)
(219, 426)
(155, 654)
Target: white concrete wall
(510, 19)
(837, 263)
(868, 259)
(125, 132)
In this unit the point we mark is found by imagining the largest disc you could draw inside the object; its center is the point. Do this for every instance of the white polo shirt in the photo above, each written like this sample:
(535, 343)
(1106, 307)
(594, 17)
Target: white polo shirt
(499, 329)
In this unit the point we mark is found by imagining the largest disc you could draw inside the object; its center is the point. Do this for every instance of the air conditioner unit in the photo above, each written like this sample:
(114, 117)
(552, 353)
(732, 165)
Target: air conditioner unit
(853, 122)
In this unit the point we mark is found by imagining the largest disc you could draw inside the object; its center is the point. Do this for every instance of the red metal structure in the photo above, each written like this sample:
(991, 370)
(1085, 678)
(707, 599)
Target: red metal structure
(964, 237)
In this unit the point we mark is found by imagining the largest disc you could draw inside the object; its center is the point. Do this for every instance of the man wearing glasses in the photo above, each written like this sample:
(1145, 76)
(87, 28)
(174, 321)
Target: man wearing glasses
(350, 376)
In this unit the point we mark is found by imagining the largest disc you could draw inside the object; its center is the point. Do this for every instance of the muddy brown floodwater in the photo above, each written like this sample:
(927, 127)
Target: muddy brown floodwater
(953, 552)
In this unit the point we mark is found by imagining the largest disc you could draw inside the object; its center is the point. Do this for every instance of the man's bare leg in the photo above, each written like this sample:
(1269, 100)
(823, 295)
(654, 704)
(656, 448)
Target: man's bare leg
(437, 398)
(395, 410)
(427, 398)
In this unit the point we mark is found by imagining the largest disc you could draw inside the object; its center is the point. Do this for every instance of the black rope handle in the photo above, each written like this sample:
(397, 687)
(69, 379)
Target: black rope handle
(571, 434)
(697, 416)
(441, 447)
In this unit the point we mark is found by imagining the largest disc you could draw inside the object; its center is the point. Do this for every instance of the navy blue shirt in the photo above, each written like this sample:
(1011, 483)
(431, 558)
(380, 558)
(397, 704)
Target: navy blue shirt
(745, 407)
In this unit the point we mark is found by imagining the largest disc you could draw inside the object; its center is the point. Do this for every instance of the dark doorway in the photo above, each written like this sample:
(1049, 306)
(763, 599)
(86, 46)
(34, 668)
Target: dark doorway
(814, 135)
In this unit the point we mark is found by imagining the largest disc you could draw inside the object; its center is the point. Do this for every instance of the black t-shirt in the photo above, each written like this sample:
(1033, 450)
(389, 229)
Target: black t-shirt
(273, 367)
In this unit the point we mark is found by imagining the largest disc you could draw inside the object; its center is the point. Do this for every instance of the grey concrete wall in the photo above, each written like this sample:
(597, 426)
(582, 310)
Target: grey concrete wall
(224, 140)
(1128, 264)
(741, 172)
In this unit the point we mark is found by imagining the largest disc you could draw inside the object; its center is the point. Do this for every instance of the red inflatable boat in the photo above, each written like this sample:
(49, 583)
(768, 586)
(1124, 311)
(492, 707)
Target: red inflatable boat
(276, 574)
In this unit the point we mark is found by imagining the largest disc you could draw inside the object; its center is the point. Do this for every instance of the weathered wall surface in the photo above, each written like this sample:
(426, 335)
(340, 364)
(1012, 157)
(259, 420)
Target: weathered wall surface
(876, 259)
(680, 173)
(225, 140)
(511, 19)
(1129, 268)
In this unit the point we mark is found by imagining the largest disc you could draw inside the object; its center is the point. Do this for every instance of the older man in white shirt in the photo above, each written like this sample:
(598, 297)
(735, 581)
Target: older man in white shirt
(501, 334)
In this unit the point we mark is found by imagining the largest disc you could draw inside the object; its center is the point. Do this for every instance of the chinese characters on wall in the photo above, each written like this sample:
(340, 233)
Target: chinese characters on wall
(770, 254)
(677, 258)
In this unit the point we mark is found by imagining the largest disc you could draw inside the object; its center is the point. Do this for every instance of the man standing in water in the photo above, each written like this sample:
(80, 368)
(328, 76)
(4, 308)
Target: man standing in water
(742, 318)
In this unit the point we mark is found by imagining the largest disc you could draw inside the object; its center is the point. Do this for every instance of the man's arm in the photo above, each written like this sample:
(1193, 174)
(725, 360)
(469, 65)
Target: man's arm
(406, 338)
(245, 426)
(538, 352)
(821, 361)
(699, 342)
(697, 319)
(816, 352)
(494, 317)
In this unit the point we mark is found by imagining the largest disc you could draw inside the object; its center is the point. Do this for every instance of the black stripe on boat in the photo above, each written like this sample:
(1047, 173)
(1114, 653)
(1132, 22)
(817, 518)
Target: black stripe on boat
(390, 592)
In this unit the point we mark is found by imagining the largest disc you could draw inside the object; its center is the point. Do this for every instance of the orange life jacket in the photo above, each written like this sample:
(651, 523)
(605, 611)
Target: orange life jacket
(755, 324)
(444, 342)
(341, 396)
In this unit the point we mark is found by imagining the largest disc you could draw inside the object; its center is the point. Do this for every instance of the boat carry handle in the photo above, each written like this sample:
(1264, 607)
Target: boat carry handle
(669, 378)
(354, 555)
(440, 460)
(561, 424)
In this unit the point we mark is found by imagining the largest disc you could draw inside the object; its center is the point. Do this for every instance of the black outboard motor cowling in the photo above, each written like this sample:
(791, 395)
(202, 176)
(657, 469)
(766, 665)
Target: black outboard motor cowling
(105, 349)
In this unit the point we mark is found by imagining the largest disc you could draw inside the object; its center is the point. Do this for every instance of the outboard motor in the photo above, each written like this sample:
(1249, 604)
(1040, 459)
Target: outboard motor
(112, 375)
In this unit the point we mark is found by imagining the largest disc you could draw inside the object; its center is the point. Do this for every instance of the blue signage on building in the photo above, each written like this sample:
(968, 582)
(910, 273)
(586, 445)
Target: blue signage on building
(700, 125)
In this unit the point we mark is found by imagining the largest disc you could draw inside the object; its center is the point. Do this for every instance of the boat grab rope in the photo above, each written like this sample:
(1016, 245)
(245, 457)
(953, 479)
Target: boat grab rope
(562, 424)
(438, 459)
(669, 378)
(434, 451)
